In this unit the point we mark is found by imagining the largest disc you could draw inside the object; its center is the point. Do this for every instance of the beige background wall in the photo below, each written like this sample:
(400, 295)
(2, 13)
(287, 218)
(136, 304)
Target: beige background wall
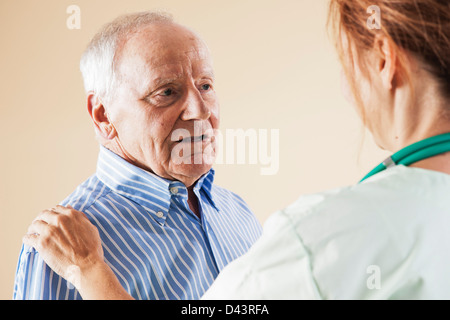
(275, 69)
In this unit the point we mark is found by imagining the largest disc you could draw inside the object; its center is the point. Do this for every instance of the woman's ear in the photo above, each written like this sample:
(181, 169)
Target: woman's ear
(387, 65)
(99, 116)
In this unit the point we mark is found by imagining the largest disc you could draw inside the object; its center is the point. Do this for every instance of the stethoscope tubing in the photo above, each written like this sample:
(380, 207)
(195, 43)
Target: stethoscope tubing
(415, 152)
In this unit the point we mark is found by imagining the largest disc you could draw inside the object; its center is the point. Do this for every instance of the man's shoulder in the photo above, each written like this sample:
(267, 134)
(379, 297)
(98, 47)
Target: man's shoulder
(86, 194)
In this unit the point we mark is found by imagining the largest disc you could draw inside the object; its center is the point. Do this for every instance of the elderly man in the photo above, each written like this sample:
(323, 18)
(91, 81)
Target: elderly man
(166, 229)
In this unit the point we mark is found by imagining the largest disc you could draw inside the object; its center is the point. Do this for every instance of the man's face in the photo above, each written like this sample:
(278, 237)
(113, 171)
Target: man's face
(166, 84)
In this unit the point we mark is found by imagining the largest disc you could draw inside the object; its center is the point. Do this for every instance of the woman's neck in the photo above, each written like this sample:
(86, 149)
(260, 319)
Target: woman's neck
(440, 163)
(429, 116)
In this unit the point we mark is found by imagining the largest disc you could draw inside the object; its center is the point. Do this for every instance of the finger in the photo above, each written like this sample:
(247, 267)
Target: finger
(63, 208)
(30, 240)
(69, 210)
(38, 227)
(49, 216)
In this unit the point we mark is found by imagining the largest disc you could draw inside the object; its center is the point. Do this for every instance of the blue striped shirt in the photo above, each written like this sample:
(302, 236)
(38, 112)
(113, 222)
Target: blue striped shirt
(154, 243)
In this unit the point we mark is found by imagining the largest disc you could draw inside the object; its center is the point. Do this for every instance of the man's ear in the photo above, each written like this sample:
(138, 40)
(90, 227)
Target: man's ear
(99, 117)
(387, 64)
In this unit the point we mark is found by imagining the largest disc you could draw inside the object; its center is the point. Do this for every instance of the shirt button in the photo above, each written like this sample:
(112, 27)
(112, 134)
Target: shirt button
(174, 190)
(159, 214)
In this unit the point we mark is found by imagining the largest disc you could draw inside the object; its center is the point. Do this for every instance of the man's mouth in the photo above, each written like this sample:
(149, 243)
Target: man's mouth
(203, 137)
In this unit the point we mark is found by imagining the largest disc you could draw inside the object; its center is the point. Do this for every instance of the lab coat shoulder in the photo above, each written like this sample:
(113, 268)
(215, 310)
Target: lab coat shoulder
(375, 240)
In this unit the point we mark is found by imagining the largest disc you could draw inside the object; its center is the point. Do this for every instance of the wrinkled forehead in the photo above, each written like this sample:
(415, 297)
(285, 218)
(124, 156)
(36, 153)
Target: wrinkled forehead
(158, 45)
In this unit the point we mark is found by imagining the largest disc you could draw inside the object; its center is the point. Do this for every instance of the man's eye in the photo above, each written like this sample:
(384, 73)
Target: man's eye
(167, 92)
(206, 87)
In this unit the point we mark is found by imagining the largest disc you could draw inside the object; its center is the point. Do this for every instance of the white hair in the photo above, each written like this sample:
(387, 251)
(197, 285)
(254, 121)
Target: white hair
(98, 61)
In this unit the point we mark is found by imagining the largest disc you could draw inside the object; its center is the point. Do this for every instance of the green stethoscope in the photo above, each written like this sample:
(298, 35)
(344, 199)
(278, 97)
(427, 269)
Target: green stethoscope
(415, 152)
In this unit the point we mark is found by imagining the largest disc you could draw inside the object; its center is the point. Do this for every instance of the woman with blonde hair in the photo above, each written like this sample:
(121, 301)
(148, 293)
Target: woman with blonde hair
(383, 238)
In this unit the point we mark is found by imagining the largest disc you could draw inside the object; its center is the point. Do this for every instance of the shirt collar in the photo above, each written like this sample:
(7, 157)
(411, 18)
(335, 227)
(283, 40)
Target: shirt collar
(205, 183)
(147, 189)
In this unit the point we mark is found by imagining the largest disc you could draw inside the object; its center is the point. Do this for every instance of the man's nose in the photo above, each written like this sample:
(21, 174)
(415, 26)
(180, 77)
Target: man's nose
(195, 108)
